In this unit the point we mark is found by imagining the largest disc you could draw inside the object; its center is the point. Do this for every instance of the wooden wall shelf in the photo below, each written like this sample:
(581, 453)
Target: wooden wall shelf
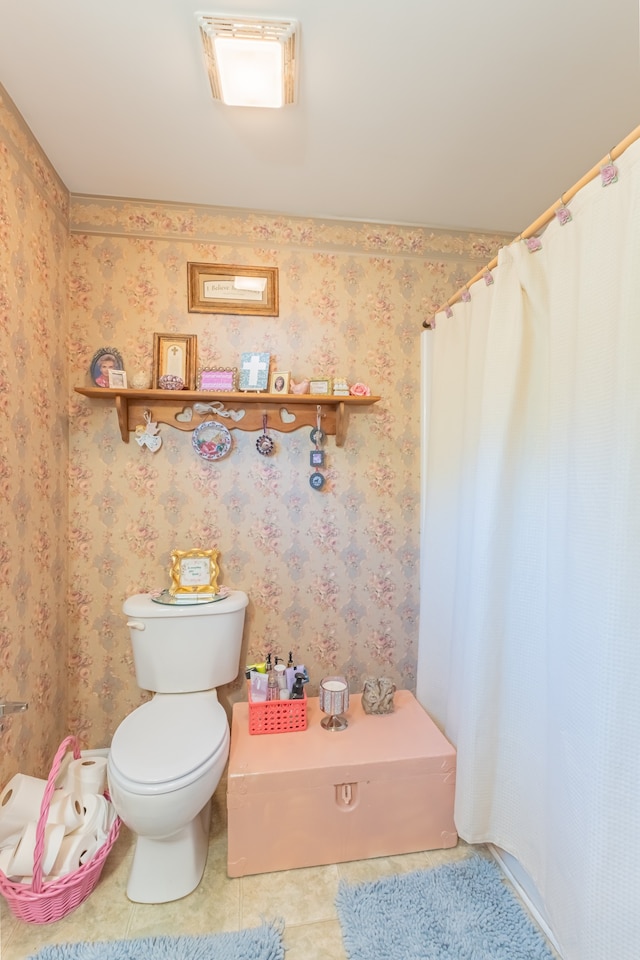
(238, 411)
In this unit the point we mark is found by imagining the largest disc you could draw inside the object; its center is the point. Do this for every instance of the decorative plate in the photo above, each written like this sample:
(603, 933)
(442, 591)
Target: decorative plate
(211, 440)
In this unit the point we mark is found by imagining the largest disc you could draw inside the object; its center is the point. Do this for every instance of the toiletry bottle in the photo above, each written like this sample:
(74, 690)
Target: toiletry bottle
(298, 687)
(290, 674)
(281, 676)
(273, 690)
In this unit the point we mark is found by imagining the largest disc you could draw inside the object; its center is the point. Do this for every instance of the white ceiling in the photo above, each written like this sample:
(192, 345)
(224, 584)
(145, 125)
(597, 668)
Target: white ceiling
(457, 114)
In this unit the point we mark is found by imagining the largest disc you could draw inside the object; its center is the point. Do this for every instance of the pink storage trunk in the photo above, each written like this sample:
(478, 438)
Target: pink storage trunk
(383, 786)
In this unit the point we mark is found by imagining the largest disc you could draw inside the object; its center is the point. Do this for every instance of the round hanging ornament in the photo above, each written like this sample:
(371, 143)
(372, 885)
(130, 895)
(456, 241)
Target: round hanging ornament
(317, 480)
(264, 443)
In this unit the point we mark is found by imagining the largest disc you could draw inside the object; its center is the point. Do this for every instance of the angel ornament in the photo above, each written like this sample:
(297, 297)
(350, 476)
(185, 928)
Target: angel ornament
(148, 436)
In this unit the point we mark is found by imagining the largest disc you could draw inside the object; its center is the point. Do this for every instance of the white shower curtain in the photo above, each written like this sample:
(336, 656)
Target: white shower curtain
(530, 621)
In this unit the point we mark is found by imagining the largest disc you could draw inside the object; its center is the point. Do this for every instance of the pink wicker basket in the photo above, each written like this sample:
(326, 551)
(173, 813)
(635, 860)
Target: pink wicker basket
(41, 902)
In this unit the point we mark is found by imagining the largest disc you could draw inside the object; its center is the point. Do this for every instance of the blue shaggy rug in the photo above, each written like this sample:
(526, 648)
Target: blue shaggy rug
(461, 911)
(260, 943)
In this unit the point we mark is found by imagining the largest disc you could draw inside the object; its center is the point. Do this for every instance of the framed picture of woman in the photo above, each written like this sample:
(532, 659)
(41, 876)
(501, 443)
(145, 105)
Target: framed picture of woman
(104, 360)
(279, 382)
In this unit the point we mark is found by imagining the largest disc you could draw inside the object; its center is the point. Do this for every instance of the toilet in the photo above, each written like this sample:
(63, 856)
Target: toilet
(167, 757)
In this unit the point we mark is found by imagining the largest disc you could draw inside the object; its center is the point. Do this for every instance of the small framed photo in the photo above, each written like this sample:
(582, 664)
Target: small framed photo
(316, 458)
(103, 361)
(280, 382)
(175, 353)
(194, 571)
(226, 288)
(320, 386)
(254, 371)
(117, 379)
(218, 380)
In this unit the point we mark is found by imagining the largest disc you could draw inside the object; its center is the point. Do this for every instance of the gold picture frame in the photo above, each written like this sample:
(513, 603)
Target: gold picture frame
(175, 353)
(320, 386)
(229, 288)
(279, 382)
(194, 572)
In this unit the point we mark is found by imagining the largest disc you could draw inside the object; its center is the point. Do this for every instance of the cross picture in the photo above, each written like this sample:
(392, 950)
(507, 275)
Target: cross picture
(254, 371)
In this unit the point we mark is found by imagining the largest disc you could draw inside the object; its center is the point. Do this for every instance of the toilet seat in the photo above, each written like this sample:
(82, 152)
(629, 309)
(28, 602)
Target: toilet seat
(169, 742)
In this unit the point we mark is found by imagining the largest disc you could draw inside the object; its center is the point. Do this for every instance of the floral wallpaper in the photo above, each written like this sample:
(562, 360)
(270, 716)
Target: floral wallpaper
(331, 575)
(33, 449)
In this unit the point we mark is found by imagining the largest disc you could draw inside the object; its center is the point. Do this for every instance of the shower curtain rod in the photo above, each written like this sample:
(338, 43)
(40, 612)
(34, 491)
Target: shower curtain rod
(544, 218)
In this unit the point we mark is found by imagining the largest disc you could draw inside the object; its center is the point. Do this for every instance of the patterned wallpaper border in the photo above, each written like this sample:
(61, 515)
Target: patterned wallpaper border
(208, 224)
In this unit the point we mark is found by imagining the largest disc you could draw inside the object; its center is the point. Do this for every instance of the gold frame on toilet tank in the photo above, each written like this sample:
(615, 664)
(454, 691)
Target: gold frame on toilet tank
(194, 572)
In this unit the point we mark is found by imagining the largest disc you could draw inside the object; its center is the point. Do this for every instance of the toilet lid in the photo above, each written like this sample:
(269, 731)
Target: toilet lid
(169, 737)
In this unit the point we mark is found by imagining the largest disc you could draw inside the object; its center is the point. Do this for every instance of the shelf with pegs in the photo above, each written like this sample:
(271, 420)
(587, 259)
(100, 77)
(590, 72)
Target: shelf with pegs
(186, 409)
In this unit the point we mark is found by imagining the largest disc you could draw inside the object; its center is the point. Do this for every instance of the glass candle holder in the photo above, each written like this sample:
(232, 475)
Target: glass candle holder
(334, 701)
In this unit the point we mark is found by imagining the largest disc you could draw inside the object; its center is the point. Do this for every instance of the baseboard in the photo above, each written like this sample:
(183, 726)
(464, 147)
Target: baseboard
(525, 896)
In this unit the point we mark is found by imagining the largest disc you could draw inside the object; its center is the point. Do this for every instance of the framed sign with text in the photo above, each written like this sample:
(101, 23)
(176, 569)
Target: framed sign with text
(224, 288)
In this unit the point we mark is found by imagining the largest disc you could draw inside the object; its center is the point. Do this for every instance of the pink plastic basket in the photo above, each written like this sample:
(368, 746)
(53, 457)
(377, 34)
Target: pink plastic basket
(277, 716)
(41, 902)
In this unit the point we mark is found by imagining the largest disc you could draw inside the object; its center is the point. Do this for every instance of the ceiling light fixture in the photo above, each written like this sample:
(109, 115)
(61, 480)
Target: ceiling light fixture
(251, 62)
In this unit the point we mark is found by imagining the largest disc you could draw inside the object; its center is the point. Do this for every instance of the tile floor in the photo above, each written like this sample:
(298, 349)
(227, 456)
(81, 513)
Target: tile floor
(303, 898)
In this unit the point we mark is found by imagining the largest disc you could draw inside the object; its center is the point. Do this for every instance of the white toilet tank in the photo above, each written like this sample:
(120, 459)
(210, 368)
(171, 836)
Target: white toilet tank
(185, 648)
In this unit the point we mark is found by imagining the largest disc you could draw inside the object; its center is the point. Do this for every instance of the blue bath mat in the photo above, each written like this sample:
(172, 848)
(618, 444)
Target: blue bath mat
(461, 911)
(260, 943)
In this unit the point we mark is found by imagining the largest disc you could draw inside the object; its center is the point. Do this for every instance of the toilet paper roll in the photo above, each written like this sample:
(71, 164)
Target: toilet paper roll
(87, 775)
(75, 849)
(98, 841)
(95, 814)
(20, 802)
(6, 856)
(66, 808)
(11, 826)
(110, 818)
(22, 861)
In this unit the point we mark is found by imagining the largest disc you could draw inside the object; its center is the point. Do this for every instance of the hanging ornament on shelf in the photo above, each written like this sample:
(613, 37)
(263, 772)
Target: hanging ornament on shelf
(264, 443)
(147, 436)
(317, 479)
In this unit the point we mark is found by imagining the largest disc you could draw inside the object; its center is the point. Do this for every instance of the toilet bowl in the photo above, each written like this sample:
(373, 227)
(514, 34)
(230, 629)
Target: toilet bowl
(165, 762)
(167, 757)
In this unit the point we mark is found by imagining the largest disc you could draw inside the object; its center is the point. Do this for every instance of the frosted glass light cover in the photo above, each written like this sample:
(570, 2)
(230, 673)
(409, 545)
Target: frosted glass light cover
(250, 72)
